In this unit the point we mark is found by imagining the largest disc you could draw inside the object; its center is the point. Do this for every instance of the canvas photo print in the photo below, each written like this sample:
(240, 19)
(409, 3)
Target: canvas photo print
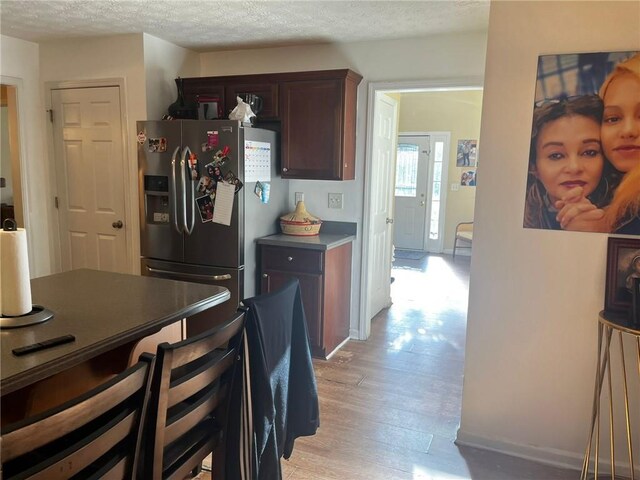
(584, 159)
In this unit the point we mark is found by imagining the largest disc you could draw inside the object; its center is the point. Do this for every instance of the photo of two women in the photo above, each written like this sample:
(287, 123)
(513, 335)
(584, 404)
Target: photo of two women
(584, 158)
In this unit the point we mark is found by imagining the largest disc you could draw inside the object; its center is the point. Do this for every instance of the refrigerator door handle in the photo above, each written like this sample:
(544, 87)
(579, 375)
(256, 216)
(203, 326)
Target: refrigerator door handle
(184, 166)
(226, 276)
(173, 184)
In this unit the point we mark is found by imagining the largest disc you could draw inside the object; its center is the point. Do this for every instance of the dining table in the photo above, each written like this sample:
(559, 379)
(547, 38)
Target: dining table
(107, 314)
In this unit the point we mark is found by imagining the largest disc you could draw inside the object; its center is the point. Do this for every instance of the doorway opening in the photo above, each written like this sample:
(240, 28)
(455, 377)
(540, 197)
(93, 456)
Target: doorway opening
(448, 113)
(13, 192)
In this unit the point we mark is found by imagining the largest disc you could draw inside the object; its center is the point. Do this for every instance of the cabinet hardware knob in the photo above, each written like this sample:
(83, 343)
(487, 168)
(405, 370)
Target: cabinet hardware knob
(290, 259)
(285, 169)
(265, 275)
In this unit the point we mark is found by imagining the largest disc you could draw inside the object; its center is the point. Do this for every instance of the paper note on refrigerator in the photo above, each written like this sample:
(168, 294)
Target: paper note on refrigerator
(225, 194)
(257, 161)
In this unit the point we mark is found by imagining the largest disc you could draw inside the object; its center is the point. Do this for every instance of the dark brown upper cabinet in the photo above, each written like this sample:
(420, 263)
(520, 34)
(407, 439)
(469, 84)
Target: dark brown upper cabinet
(316, 111)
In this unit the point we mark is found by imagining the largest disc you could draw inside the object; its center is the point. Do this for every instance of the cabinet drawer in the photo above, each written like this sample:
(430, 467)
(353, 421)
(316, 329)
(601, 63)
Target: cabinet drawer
(292, 259)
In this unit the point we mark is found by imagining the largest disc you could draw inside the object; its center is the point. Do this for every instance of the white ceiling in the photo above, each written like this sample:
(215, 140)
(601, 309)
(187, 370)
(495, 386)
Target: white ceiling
(209, 25)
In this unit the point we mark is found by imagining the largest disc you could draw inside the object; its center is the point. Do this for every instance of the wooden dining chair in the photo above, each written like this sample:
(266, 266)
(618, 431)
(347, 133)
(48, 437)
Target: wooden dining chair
(96, 435)
(188, 405)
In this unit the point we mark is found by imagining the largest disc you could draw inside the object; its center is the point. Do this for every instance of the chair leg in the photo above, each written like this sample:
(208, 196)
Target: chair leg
(455, 243)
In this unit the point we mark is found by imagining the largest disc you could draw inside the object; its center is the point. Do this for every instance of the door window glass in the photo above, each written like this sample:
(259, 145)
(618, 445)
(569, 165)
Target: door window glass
(436, 184)
(406, 170)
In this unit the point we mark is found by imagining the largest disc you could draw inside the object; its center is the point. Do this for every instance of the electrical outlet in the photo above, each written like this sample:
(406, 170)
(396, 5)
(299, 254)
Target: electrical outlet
(299, 197)
(335, 200)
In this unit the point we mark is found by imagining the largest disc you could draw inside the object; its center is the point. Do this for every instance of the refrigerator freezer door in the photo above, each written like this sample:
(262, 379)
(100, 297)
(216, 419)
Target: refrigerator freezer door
(160, 208)
(231, 279)
(211, 243)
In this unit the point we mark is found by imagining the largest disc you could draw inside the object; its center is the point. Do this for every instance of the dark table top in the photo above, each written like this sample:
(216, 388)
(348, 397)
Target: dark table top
(103, 311)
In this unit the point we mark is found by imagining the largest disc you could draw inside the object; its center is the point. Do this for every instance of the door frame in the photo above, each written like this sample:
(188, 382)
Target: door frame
(17, 83)
(459, 83)
(130, 172)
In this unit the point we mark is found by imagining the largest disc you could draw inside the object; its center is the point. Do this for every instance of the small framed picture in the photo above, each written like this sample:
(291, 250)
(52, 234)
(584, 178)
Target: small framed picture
(623, 268)
(205, 206)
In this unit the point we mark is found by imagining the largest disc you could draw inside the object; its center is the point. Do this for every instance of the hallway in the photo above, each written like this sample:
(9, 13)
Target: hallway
(390, 406)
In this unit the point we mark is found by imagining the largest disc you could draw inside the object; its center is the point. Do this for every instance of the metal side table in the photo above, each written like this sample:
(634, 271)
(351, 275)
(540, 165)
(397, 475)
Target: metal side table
(608, 325)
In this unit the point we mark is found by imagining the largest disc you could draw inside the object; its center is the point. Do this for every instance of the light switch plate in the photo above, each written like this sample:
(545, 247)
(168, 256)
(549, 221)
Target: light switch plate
(299, 197)
(455, 187)
(335, 200)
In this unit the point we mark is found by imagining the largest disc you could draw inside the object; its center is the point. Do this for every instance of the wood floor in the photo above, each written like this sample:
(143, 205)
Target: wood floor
(390, 406)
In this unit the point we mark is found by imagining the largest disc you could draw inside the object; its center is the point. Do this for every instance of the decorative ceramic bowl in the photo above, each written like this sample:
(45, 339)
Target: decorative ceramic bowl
(300, 222)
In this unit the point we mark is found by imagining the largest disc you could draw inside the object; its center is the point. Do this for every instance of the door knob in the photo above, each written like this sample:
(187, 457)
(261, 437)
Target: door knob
(389, 220)
(117, 224)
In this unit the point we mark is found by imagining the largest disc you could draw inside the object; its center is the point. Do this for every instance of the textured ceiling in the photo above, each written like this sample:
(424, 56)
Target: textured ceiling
(208, 25)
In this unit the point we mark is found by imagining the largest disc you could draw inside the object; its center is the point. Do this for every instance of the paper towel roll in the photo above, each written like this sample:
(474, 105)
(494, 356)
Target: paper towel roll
(15, 284)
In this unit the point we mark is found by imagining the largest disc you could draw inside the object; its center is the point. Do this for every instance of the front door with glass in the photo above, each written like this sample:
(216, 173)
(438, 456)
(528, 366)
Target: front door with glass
(421, 170)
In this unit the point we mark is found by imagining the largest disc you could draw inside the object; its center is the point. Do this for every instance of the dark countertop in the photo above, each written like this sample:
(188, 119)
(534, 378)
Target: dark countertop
(324, 241)
(103, 311)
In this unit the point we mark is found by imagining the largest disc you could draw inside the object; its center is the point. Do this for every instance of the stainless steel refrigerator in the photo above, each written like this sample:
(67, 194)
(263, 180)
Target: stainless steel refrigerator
(176, 240)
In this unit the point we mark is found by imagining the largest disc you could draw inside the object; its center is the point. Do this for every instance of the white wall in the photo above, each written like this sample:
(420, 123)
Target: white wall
(534, 294)
(163, 62)
(427, 58)
(19, 59)
(458, 112)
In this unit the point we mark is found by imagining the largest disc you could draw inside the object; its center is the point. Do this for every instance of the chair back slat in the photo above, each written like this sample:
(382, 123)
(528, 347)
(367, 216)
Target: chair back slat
(208, 373)
(116, 471)
(17, 439)
(183, 470)
(188, 400)
(202, 345)
(193, 415)
(73, 463)
(86, 435)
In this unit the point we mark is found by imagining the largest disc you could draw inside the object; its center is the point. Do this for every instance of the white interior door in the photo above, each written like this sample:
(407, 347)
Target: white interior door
(89, 161)
(381, 206)
(412, 167)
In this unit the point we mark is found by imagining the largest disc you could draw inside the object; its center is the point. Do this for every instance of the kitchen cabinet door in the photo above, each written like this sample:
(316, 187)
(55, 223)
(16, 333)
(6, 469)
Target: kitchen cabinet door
(311, 115)
(312, 294)
(318, 115)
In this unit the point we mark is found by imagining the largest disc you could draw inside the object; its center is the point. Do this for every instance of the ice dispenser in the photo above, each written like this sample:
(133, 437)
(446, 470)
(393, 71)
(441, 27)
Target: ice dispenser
(156, 199)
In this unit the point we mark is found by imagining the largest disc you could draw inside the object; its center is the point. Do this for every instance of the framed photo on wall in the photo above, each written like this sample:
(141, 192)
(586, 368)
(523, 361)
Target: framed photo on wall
(579, 157)
(623, 270)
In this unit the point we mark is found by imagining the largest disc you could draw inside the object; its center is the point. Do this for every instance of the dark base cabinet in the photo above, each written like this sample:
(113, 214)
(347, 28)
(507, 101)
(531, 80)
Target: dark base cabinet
(325, 283)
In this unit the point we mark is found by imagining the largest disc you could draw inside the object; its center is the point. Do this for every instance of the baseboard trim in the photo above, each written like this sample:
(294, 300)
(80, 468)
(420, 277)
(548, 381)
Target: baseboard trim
(548, 456)
(354, 333)
(338, 347)
(459, 253)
